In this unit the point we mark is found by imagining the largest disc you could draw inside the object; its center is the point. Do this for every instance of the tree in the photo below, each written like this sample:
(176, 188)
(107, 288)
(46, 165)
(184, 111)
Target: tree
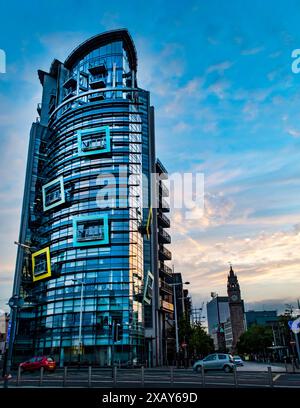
(200, 343)
(255, 340)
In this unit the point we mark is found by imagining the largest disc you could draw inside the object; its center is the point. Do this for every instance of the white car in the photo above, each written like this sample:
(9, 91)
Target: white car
(238, 361)
(217, 361)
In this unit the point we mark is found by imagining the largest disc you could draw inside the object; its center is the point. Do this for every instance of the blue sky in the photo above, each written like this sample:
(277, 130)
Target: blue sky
(227, 104)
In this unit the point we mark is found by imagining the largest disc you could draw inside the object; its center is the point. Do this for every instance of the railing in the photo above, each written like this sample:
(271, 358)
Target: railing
(164, 220)
(164, 189)
(166, 253)
(166, 287)
(165, 237)
(117, 376)
(165, 205)
(165, 268)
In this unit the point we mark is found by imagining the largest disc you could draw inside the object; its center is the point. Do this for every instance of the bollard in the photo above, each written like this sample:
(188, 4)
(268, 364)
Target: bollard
(270, 376)
(293, 365)
(19, 376)
(41, 375)
(115, 375)
(65, 376)
(285, 364)
(172, 375)
(90, 376)
(235, 377)
(203, 376)
(143, 376)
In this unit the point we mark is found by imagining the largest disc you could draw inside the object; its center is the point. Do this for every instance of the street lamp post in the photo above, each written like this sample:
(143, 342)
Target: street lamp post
(175, 312)
(15, 303)
(82, 283)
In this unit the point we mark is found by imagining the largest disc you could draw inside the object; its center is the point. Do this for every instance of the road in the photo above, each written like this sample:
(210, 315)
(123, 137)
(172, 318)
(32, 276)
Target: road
(251, 375)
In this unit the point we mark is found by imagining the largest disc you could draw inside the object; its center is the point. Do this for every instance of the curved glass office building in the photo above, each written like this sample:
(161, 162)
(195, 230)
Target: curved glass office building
(87, 265)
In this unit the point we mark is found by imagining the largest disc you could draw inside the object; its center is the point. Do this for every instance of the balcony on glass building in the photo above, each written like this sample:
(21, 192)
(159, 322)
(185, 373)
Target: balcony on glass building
(164, 286)
(165, 207)
(53, 196)
(163, 236)
(163, 189)
(165, 269)
(97, 81)
(70, 82)
(98, 96)
(163, 220)
(96, 143)
(89, 232)
(69, 94)
(98, 67)
(164, 254)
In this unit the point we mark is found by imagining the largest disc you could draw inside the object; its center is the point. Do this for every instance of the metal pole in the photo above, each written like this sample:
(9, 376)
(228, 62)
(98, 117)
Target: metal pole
(65, 376)
(19, 376)
(235, 377)
(203, 375)
(115, 375)
(176, 323)
(172, 374)
(15, 309)
(41, 375)
(143, 376)
(80, 324)
(270, 376)
(90, 377)
(112, 348)
(297, 346)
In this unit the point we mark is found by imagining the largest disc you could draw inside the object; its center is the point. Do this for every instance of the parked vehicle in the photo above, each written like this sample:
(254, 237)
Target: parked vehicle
(238, 361)
(217, 361)
(36, 363)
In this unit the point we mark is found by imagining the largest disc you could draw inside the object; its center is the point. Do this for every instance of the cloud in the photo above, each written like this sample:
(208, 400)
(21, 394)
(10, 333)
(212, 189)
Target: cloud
(220, 68)
(219, 88)
(293, 132)
(265, 263)
(59, 44)
(252, 51)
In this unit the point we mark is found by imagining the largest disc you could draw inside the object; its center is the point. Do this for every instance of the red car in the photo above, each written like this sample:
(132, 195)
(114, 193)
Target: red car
(36, 363)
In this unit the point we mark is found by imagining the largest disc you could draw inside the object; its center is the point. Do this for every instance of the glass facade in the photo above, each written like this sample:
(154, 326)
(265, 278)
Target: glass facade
(86, 206)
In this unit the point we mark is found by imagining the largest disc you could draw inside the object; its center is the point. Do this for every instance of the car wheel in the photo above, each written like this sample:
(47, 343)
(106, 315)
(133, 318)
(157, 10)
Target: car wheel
(227, 369)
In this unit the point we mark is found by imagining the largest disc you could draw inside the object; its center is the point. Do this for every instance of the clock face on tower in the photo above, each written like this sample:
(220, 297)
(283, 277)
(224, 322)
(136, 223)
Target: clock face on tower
(234, 298)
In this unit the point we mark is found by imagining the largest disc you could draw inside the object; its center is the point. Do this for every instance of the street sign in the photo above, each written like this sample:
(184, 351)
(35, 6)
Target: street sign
(294, 325)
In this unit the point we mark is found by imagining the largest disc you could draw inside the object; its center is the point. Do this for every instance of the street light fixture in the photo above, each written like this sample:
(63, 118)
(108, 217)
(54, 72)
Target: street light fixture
(82, 283)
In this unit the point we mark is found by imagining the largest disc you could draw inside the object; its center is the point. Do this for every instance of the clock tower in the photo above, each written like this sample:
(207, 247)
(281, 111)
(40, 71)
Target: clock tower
(236, 308)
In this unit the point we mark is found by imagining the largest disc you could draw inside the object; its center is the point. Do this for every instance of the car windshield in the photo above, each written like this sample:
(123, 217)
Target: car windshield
(237, 357)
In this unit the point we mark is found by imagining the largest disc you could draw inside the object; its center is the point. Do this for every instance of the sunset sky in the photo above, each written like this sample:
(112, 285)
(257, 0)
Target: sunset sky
(227, 104)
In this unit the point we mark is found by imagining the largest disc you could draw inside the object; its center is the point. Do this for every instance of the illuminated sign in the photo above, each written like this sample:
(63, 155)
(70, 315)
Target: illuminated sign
(93, 141)
(90, 230)
(148, 288)
(41, 266)
(53, 193)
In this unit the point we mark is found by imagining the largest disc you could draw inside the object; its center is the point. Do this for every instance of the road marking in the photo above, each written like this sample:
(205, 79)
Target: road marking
(276, 377)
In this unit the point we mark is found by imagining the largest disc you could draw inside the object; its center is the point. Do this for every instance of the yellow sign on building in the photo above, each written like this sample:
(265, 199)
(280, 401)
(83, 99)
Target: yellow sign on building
(41, 264)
